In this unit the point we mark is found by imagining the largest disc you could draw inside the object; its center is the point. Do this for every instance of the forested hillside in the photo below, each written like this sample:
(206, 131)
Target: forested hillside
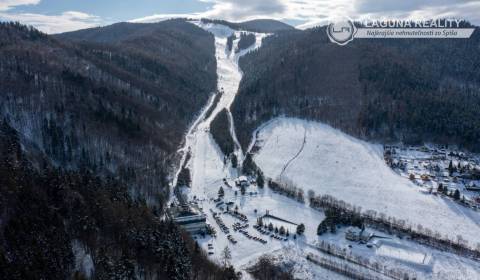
(384, 90)
(114, 100)
(90, 123)
(72, 225)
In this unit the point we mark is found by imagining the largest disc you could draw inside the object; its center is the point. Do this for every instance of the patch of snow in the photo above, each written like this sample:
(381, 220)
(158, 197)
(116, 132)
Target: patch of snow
(83, 260)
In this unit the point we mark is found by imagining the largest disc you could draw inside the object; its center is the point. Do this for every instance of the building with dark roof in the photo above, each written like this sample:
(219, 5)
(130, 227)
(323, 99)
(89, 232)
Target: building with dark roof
(189, 217)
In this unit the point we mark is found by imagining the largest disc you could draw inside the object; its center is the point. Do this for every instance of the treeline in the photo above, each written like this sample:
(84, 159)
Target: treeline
(335, 217)
(215, 101)
(45, 211)
(266, 269)
(220, 129)
(338, 212)
(367, 89)
(249, 167)
(287, 188)
(261, 25)
(11, 30)
(348, 214)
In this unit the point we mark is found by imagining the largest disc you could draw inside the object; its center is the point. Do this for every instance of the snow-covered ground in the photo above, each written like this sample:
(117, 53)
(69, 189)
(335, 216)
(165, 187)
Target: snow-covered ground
(207, 161)
(254, 206)
(429, 167)
(315, 156)
(407, 255)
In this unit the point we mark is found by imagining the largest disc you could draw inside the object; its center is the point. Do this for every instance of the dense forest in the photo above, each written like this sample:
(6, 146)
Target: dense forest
(59, 224)
(230, 40)
(246, 40)
(115, 100)
(410, 90)
(220, 129)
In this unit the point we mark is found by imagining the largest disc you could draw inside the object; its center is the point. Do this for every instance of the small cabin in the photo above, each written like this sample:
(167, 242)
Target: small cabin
(242, 181)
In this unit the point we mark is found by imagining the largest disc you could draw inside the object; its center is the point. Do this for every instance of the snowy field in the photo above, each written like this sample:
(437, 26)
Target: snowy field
(317, 157)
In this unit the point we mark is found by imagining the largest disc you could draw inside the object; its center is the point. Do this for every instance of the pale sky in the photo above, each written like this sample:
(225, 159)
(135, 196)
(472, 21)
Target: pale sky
(54, 16)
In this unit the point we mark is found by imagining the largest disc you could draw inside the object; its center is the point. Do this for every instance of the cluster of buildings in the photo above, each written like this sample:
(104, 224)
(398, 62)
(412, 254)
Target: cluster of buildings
(430, 166)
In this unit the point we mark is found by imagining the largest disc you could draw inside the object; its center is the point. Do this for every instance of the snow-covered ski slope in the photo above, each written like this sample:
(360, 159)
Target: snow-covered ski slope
(207, 161)
(318, 157)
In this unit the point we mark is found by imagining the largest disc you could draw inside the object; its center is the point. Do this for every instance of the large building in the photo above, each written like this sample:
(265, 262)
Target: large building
(189, 217)
(356, 234)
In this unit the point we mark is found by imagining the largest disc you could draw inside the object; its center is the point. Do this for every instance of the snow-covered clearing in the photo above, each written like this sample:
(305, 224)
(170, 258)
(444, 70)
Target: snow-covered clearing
(334, 163)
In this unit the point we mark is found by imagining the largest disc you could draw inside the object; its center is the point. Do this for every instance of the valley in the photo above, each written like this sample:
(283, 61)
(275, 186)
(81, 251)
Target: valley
(192, 148)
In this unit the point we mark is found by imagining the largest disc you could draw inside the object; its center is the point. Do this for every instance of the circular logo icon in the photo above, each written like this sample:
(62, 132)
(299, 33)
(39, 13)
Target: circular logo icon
(342, 31)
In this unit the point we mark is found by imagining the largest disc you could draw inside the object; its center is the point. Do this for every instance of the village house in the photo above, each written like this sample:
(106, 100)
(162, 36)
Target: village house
(242, 181)
(356, 234)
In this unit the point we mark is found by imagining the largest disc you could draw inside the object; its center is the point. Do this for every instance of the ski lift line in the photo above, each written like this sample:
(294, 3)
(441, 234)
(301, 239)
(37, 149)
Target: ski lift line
(296, 155)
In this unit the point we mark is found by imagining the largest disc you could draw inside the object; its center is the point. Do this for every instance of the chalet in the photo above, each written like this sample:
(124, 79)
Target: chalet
(189, 217)
(356, 234)
(242, 181)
